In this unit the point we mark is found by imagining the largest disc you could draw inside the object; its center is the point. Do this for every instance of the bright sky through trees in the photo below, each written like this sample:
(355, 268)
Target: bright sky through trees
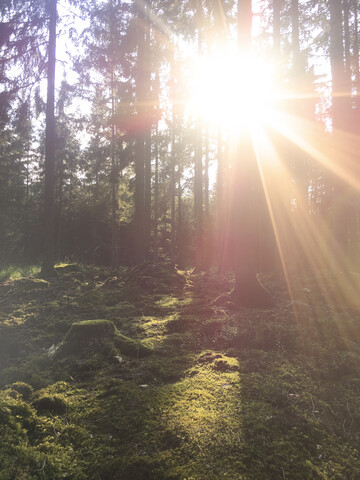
(232, 90)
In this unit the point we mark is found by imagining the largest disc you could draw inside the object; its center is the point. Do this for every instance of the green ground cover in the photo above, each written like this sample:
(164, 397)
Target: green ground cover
(143, 375)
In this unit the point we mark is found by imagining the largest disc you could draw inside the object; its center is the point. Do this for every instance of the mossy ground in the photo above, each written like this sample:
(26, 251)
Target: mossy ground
(234, 394)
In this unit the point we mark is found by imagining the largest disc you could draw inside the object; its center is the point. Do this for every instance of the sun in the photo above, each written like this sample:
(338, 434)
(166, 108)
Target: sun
(232, 90)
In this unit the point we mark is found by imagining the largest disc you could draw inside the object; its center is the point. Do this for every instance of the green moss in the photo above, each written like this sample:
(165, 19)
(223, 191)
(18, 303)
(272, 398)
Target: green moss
(102, 335)
(54, 404)
(27, 284)
(131, 347)
(89, 330)
(238, 395)
(23, 388)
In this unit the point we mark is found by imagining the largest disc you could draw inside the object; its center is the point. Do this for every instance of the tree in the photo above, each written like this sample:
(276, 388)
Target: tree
(247, 196)
(50, 141)
(142, 79)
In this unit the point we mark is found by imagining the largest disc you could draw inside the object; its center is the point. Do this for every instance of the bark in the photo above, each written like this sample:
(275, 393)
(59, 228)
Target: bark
(142, 94)
(340, 111)
(356, 50)
(50, 140)
(179, 203)
(206, 176)
(246, 197)
(156, 172)
(337, 64)
(198, 194)
(300, 89)
(276, 27)
(220, 201)
(148, 113)
(114, 184)
(346, 9)
(172, 192)
(114, 179)
(147, 199)
(295, 34)
(198, 180)
(156, 197)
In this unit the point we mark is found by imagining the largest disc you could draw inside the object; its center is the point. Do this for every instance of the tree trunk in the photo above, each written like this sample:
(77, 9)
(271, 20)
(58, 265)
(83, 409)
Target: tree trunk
(139, 223)
(339, 122)
(198, 181)
(114, 184)
(346, 9)
(276, 28)
(356, 50)
(147, 197)
(246, 197)
(206, 176)
(172, 191)
(156, 196)
(148, 113)
(50, 140)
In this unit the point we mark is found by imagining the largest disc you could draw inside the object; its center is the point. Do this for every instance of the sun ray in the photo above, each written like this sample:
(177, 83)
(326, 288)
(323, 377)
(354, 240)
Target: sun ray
(322, 146)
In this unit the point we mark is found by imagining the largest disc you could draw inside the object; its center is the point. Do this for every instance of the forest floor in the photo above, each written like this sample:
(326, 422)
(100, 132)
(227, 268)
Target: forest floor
(143, 375)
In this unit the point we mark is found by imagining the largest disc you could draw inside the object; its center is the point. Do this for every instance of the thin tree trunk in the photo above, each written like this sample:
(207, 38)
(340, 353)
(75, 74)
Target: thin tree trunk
(50, 140)
(147, 171)
(147, 197)
(220, 201)
(346, 9)
(206, 175)
(114, 184)
(198, 181)
(339, 121)
(172, 193)
(179, 209)
(276, 27)
(337, 64)
(140, 147)
(295, 35)
(156, 196)
(356, 49)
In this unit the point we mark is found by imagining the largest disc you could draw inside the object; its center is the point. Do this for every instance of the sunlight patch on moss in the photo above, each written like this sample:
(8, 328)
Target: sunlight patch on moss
(169, 301)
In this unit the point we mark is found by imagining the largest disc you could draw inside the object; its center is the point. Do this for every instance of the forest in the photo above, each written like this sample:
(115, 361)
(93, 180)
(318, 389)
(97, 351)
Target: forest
(179, 239)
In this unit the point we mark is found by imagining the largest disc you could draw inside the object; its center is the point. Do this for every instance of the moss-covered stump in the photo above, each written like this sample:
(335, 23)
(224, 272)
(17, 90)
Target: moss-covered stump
(102, 335)
(88, 330)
